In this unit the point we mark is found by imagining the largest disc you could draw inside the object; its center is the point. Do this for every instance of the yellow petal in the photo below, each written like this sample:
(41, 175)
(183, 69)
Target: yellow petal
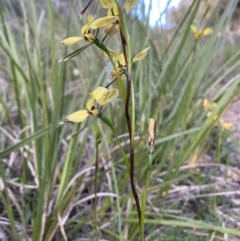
(102, 22)
(115, 10)
(71, 40)
(121, 60)
(89, 37)
(194, 28)
(227, 125)
(130, 4)
(97, 93)
(207, 31)
(109, 12)
(90, 18)
(208, 105)
(114, 55)
(141, 55)
(107, 96)
(85, 29)
(95, 112)
(205, 104)
(209, 114)
(213, 105)
(78, 116)
(107, 3)
(90, 104)
(91, 108)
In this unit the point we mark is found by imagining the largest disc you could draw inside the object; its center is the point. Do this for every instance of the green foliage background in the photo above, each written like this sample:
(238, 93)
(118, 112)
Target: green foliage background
(47, 183)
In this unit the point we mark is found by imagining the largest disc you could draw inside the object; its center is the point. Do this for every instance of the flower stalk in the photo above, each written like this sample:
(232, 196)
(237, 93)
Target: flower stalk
(122, 63)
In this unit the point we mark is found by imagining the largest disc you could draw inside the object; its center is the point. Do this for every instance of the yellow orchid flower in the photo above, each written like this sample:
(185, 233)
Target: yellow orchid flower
(112, 7)
(113, 28)
(200, 34)
(120, 65)
(85, 33)
(208, 105)
(120, 57)
(113, 11)
(116, 56)
(102, 96)
(121, 62)
(226, 125)
(82, 115)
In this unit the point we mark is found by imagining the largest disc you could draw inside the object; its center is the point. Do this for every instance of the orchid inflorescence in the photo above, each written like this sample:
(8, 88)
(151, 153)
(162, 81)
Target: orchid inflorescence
(89, 33)
(198, 34)
(209, 107)
(112, 23)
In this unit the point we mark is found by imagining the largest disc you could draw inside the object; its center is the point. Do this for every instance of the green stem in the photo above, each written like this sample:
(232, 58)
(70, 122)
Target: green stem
(144, 200)
(98, 140)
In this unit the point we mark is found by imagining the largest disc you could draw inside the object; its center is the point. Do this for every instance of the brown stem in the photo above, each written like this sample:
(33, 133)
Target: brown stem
(131, 148)
(129, 125)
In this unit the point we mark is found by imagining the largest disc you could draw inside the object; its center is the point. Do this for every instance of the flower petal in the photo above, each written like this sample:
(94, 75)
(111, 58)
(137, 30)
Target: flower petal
(121, 60)
(85, 29)
(115, 10)
(97, 93)
(207, 31)
(130, 4)
(107, 3)
(78, 116)
(71, 40)
(90, 18)
(194, 28)
(227, 125)
(205, 104)
(90, 104)
(141, 55)
(113, 54)
(89, 37)
(107, 96)
(102, 22)
(208, 105)
(91, 108)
